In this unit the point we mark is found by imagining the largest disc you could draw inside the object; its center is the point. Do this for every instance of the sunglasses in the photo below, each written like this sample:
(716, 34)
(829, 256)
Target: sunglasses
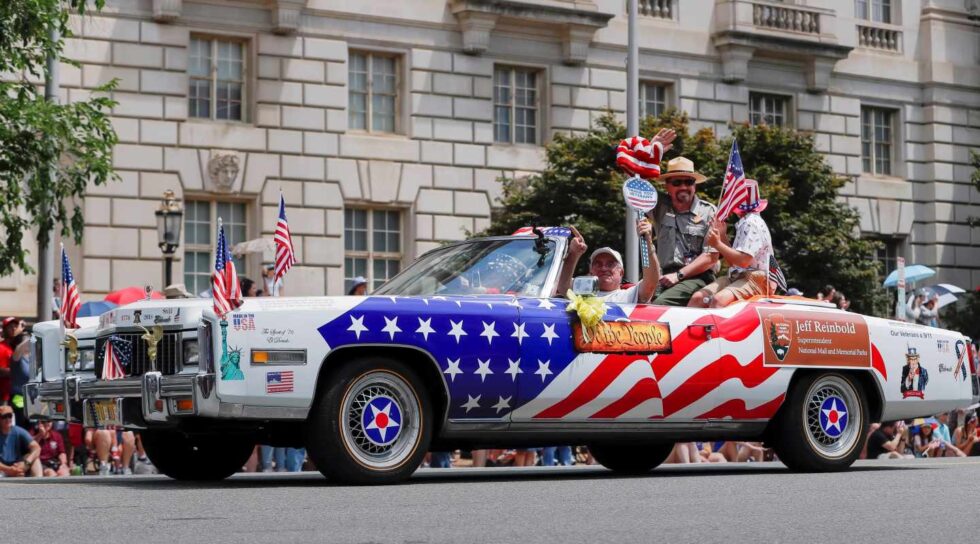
(679, 182)
(7, 416)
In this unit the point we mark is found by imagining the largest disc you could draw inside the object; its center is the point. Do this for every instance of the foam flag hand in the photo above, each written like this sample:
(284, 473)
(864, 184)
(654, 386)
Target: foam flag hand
(640, 157)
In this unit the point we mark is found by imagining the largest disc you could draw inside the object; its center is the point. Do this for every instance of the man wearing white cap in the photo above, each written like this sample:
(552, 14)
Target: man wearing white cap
(607, 264)
(748, 256)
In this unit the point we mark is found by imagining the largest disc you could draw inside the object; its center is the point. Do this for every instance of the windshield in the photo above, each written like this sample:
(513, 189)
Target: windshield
(515, 267)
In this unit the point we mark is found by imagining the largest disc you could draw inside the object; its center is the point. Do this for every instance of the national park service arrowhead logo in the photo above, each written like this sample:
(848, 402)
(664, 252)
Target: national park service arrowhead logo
(780, 335)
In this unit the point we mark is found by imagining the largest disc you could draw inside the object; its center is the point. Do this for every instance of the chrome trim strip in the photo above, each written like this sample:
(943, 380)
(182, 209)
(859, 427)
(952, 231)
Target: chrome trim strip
(126, 387)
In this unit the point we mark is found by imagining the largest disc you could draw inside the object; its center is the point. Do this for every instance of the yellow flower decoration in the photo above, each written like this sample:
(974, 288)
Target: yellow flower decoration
(590, 309)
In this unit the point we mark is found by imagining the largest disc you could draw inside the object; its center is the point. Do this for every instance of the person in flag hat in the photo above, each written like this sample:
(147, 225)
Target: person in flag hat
(681, 222)
(749, 257)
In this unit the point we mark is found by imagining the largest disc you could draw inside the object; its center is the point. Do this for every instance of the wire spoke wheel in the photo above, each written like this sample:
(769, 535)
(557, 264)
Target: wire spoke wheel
(380, 419)
(832, 417)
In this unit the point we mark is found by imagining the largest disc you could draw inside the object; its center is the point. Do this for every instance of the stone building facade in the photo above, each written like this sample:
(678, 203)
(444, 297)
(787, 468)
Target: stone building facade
(387, 123)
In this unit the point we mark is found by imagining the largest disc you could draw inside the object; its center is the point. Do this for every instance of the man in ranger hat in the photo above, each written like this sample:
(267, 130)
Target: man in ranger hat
(748, 256)
(681, 222)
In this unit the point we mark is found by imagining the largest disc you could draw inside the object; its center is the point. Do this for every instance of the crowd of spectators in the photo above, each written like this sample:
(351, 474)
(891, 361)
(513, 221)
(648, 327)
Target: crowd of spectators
(949, 434)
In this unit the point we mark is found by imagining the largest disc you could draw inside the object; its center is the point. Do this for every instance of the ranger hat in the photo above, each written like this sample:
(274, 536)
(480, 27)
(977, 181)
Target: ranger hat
(681, 167)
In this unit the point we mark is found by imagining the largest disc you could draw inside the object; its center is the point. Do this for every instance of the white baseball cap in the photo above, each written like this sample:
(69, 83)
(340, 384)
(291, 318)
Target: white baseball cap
(609, 251)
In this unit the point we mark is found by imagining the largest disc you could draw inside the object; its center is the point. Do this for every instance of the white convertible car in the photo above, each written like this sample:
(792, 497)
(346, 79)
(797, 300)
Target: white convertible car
(464, 349)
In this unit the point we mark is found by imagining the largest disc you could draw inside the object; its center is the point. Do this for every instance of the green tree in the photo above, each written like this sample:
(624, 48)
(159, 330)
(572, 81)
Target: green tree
(36, 134)
(813, 232)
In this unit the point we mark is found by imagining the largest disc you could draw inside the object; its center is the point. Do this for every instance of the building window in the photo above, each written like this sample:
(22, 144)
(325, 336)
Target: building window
(373, 92)
(768, 109)
(372, 245)
(876, 140)
(887, 254)
(216, 73)
(200, 236)
(653, 99)
(878, 11)
(515, 105)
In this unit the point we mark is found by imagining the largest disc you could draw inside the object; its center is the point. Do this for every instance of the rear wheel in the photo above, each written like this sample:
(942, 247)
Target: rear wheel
(371, 424)
(196, 457)
(630, 458)
(821, 427)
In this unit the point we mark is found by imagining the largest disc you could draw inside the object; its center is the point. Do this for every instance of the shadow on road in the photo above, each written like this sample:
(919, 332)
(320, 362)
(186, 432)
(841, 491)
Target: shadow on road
(457, 476)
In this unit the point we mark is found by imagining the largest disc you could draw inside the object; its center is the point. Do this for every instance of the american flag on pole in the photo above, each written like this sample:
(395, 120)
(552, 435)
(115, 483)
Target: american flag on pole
(118, 353)
(776, 274)
(225, 290)
(733, 190)
(285, 257)
(70, 302)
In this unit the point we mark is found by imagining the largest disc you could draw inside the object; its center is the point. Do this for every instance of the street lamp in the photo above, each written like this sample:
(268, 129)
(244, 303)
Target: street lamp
(169, 216)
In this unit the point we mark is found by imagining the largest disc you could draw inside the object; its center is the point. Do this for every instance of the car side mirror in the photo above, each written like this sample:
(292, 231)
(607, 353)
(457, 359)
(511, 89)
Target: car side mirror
(585, 285)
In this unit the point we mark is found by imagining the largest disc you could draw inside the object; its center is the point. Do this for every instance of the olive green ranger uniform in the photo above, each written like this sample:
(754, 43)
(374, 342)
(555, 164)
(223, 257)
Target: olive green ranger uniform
(680, 239)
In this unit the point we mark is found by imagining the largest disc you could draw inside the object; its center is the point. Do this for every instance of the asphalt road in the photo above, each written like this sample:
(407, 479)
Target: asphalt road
(897, 501)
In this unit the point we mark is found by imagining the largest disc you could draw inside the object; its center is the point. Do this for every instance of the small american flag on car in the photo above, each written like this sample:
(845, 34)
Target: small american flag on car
(564, 232)
(118, 354)
(279, 382)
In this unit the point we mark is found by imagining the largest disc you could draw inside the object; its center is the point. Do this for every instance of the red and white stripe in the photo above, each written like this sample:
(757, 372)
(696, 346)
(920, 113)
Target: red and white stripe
(285, 256)
(111, 367)
(233, 286)
(681, 385)
(640, 157)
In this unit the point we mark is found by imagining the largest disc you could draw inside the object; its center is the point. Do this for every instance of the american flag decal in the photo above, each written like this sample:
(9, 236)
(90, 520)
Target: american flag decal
(513, 358)
(279, 382)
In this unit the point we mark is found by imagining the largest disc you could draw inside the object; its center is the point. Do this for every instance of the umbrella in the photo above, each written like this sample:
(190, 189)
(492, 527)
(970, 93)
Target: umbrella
(946, 291)
(95, 308)
(124, 296)
(913, 273)
(258, 245)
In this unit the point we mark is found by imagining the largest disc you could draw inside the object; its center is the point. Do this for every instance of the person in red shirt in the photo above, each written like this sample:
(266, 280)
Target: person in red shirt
(12, 327)
(54, 459)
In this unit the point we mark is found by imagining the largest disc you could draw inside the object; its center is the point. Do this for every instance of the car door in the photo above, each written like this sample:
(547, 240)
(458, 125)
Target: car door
(627, 380)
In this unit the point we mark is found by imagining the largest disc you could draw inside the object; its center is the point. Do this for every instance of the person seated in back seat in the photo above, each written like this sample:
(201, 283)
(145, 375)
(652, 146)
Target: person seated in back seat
(748, 256)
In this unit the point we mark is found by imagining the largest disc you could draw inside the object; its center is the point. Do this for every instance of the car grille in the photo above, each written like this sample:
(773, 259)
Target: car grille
(169, 354)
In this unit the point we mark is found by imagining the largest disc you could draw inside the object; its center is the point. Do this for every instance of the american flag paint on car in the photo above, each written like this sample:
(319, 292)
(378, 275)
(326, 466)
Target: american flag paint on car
(468, 348)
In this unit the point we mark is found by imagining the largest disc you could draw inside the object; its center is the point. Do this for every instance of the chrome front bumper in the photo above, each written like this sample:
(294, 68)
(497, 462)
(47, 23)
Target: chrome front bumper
(162, 399)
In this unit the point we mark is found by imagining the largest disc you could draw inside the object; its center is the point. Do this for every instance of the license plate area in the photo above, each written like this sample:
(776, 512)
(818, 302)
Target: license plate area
(103, 412)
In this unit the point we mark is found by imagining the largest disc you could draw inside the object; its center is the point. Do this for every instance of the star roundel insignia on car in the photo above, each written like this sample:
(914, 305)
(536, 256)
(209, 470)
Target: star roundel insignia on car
(382, 420)
(833, 416)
